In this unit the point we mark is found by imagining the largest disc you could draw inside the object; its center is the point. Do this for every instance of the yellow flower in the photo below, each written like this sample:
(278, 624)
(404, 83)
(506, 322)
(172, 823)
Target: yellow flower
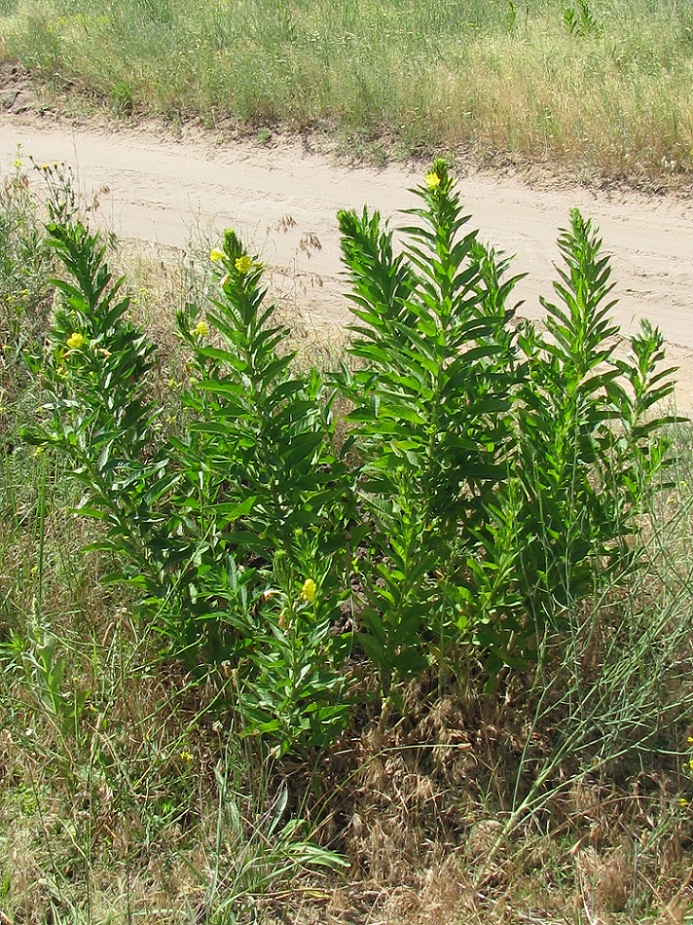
(308, 590)
(243, 264)
(216, 254)
(683, 801)
(432, 180)
(186, 756)
(690, 764)
(75, 340)
(200, 329)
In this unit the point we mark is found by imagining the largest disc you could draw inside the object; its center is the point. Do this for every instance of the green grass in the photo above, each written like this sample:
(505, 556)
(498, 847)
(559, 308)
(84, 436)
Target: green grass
(499, 79)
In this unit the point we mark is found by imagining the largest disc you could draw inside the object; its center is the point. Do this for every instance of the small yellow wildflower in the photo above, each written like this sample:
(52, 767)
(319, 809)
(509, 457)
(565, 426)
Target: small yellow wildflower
(75, 340)
(186, 756)
(690, 764)
(216, 254)
(200, 329)
(308, 590)
(683, 801)
(690, 740)
(244, 263)
(432, 180)
(18, 163)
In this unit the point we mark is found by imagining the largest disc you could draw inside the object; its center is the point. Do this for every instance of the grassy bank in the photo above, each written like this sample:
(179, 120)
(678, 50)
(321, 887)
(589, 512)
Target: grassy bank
(601, 87)
(509, 765)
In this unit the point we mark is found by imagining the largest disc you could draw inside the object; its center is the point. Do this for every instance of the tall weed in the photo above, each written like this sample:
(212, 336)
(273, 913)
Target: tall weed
(431, 418)
(585, 422)
(489, 478)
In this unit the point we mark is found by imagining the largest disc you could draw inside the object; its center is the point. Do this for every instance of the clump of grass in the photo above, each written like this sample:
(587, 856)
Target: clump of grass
(25, 295)
(608, 96)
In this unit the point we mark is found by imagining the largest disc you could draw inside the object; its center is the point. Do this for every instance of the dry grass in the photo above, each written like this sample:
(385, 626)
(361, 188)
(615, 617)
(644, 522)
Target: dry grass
(156, 810)
(497, 80)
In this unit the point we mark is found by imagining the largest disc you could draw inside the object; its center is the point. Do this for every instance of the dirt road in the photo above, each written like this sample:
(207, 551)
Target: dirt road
(284, 199)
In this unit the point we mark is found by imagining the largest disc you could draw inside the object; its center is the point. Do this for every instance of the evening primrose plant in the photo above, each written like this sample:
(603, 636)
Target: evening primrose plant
(97, 415)
(262, 487)
(483, 479)
(592, 447)
(432, 420)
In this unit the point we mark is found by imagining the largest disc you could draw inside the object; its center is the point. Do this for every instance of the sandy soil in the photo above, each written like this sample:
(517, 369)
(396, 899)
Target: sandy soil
(283, 198)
